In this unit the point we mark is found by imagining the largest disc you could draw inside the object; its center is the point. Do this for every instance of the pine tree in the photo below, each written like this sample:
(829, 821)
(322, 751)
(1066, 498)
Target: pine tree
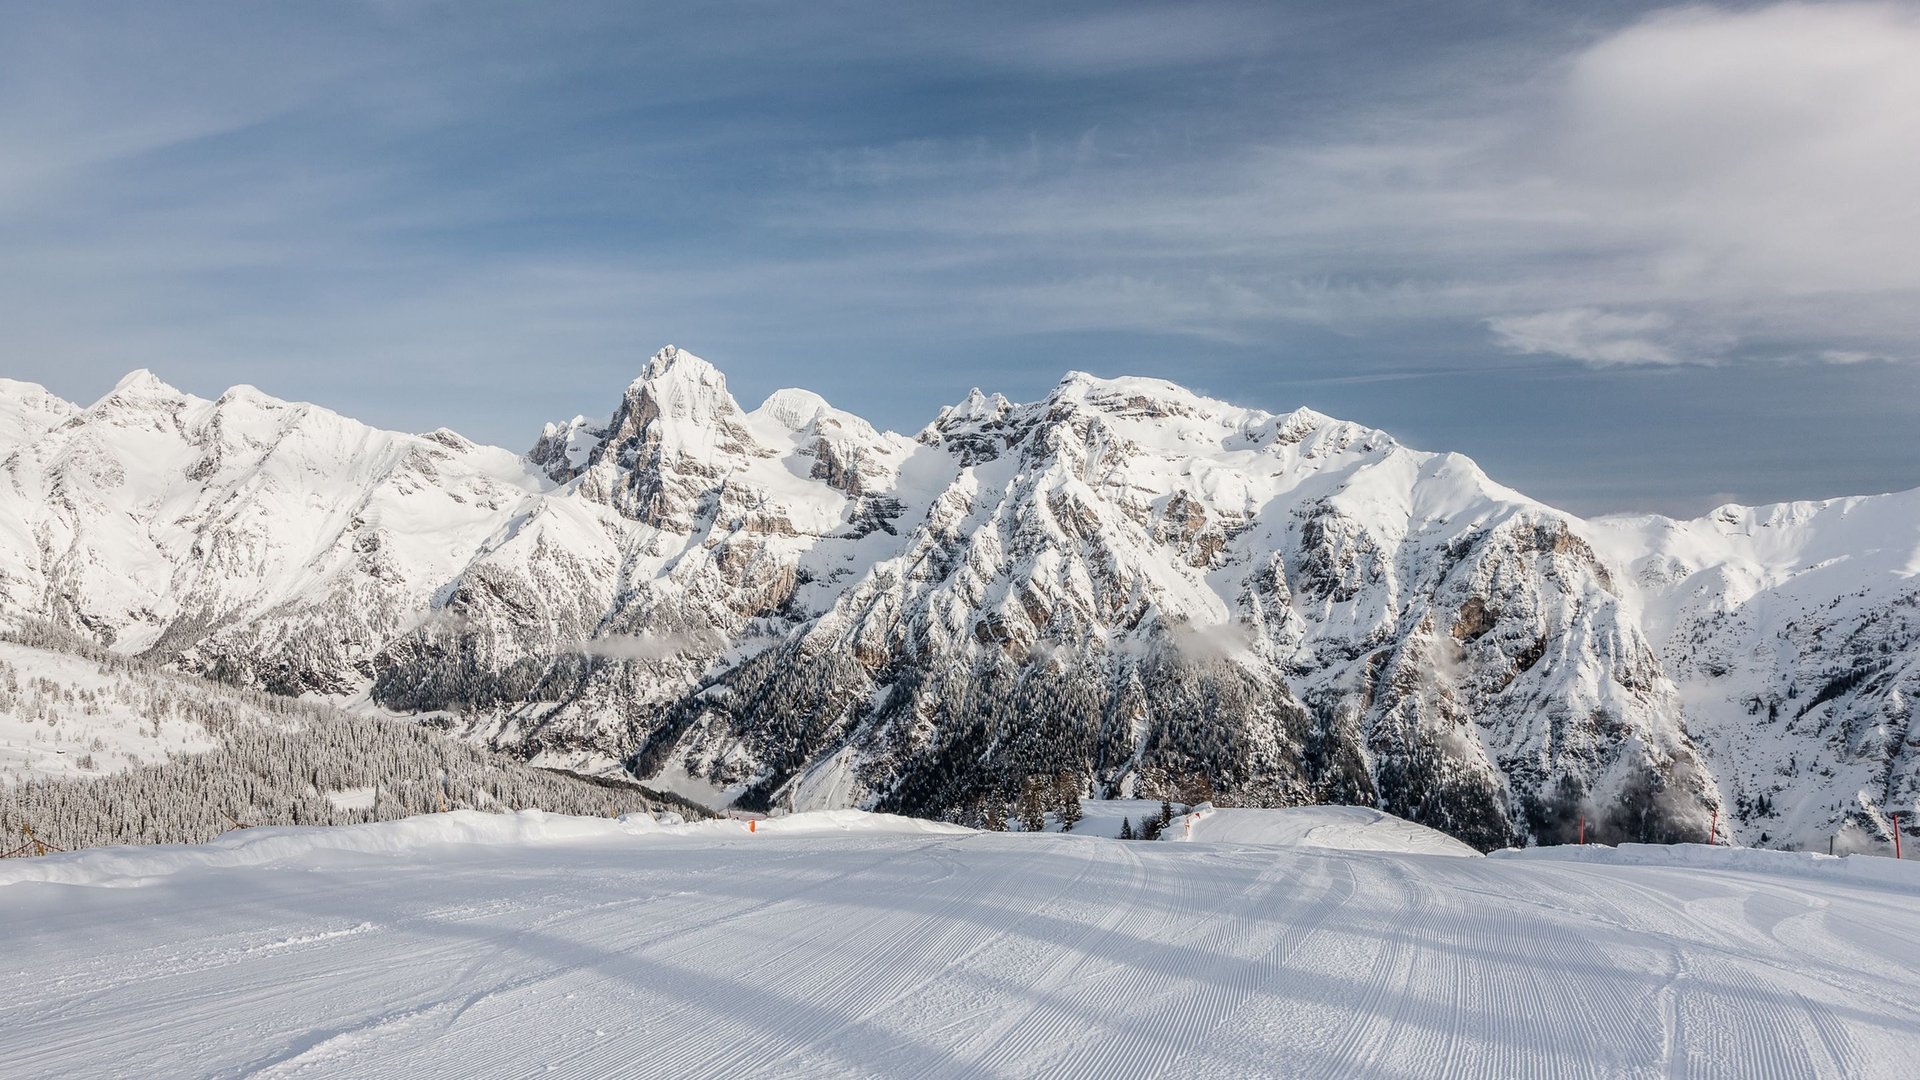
(1033, 809)
(1126, 828)
(1066, 799)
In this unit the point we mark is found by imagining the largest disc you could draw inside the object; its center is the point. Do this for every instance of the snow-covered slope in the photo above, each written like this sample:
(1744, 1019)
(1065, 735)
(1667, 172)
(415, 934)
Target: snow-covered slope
(1153, 592)
(270, 543)
(66, 716)
(97, 748)
(526, 945)
(1343, 828)
(1793, 634)
(27, 411)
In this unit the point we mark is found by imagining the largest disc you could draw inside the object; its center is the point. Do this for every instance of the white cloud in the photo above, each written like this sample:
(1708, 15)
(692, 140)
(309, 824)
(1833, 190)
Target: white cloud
(1591, 335)
(1854, 356)
(1771, 148)
(649, 646)
(1744, 173)
(1751, 169)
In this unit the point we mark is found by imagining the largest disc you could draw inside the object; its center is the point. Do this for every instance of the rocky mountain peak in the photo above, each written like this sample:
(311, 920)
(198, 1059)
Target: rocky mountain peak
(976, 429)
(676, 395)
(675, 374)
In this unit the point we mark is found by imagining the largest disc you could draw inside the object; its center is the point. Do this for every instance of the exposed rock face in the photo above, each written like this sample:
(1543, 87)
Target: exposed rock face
(1156, 592)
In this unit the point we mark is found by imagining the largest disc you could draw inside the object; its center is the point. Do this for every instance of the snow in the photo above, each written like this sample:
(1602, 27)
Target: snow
(28, 410)
(675, 780)
(1861, 868)
(245, 504)
(1346, 828)
(359, 798)
(846, 944)
(66, 716)
(1756, 610)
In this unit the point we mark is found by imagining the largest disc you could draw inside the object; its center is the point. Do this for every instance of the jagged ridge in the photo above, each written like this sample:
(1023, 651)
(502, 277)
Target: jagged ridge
(1149, 590)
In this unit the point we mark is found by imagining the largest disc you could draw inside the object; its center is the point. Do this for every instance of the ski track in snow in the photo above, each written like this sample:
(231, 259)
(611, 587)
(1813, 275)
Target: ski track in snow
(705, 954)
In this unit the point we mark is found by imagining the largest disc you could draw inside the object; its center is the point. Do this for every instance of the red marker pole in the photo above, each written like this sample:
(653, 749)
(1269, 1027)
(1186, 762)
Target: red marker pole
(1896, 836)
(1583, 830)
(1713, 835)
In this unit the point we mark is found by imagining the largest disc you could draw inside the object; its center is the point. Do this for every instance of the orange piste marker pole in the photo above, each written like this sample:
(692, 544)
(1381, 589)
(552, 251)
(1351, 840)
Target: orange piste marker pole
(752, 825)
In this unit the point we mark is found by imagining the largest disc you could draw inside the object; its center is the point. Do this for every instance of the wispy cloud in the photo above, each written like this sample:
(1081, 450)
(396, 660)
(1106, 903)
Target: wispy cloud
(423, 213)
(1594, 336)
(1712, 163)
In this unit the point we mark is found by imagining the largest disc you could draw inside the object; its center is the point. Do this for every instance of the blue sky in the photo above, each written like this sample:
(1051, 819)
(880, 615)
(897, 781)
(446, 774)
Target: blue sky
(1627, 257)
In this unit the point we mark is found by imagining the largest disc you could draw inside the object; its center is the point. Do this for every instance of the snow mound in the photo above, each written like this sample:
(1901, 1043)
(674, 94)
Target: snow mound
(816, 822)
(1343, 828)
(131, 866)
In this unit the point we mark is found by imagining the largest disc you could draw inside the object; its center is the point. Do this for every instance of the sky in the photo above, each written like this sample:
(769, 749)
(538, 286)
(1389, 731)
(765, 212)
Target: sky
(1628, 257)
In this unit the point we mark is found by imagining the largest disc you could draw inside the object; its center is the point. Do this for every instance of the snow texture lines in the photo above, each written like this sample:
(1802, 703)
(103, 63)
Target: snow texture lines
(891, 950)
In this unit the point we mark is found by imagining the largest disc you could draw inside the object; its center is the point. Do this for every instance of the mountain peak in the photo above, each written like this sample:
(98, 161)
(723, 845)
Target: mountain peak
(793, 408)
(1135, 395)
(141, 382)
(672, 362)
(977, 406)
(28, 409)
(249, 394)
(678, 386)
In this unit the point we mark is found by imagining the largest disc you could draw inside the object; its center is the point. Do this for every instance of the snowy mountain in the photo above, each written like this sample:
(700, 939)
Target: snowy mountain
(1149, 591)
(1792, 633)
(268, 543)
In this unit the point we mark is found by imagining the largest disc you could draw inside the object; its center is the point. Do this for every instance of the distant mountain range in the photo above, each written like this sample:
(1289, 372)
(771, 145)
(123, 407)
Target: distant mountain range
(1124, 587)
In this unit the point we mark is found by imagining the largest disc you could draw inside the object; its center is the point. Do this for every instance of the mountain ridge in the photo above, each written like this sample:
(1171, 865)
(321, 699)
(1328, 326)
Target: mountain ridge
(1148, 590)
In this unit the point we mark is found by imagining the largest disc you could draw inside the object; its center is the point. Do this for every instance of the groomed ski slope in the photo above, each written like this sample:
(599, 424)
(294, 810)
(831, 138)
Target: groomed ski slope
(845, 944)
